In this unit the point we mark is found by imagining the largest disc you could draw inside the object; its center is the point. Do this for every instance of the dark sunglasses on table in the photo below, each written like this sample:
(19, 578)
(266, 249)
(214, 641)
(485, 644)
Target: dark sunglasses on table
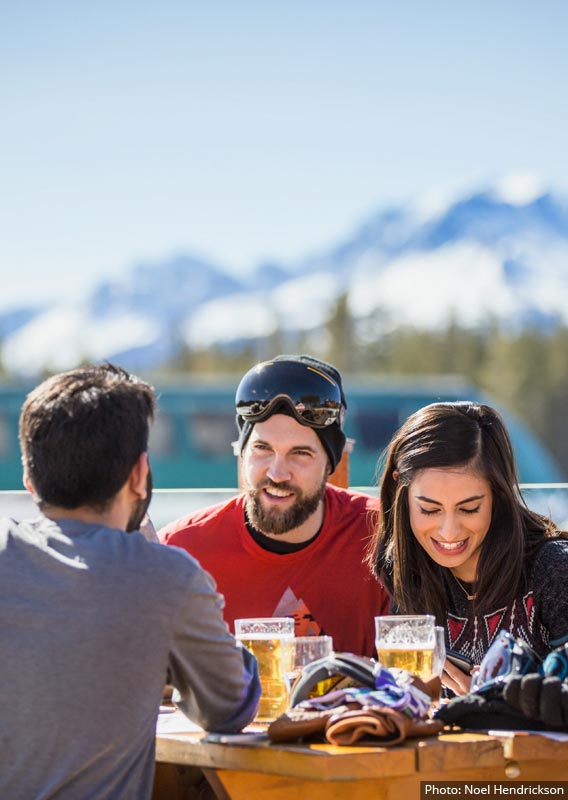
(507, 656)
(313, 396)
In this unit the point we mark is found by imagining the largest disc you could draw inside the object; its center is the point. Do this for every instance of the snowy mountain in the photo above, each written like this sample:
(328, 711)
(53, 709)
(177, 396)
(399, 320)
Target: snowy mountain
(501, 253)
(134, 320)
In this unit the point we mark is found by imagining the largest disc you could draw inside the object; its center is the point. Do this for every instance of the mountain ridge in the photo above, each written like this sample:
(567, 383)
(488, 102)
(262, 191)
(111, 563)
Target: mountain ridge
(484, 254)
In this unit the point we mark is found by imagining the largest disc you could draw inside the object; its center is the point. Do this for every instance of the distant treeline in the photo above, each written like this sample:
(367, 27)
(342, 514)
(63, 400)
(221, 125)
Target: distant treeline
(526, 371)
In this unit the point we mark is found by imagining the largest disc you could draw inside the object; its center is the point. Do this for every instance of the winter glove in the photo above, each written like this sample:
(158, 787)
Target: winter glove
(543, 699)
(379, 725)
(476, 711)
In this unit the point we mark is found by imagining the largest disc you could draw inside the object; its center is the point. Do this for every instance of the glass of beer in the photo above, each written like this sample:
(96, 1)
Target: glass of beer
(439, 651)
(306, 649)
(407, 642)
(270, 640)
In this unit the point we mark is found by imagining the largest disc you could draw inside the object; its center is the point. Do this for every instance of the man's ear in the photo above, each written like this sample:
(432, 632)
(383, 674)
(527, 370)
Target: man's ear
(137, 480)
(27, 482)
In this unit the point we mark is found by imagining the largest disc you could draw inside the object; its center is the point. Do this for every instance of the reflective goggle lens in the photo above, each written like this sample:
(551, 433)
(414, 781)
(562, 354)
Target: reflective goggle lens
(313, 396)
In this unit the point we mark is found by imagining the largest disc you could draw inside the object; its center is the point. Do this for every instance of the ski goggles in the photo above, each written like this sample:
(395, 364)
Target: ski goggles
(336, 672)
(506, 657)
(313, 396)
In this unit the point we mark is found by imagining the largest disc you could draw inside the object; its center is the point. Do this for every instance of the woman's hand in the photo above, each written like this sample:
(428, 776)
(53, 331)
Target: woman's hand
(455, 679)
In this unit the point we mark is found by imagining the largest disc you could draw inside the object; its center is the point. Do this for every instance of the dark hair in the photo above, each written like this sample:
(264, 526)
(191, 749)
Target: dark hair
(81, 433)
(454, 434)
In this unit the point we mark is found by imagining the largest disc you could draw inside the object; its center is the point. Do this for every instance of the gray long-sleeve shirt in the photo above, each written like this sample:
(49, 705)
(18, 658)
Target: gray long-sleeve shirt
(91, 619)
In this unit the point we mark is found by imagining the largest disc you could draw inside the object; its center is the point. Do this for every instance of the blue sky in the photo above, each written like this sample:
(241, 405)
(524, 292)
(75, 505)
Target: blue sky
(251, 130)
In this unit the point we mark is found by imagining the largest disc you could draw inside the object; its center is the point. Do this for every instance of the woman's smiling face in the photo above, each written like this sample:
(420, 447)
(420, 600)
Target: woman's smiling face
(450, 513)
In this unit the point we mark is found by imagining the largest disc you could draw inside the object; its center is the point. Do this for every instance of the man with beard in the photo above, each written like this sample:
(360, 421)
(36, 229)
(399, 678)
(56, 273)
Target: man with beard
(292, 544)
(93, 615)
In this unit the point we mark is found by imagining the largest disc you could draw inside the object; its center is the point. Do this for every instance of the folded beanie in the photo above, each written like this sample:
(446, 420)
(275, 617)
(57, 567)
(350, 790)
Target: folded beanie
(331, 437)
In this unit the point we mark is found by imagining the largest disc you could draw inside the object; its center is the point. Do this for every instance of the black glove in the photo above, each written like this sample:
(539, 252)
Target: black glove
(476, 711)
(540, 699)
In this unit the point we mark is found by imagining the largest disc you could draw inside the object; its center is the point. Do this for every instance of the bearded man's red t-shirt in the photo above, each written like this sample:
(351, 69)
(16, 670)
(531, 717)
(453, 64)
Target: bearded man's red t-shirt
(326, 586)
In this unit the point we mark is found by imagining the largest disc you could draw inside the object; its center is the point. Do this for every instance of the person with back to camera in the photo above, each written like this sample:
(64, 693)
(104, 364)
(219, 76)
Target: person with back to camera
(94, 615)
(291, 544)
(456, 539)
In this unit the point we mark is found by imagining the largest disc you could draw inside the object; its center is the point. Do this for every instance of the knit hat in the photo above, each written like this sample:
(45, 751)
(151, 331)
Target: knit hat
(331, 436)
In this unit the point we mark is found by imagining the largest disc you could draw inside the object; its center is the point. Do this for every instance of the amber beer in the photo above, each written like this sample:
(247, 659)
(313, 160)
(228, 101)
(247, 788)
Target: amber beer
(273, 656)
(419, 660)
(407, 642)
(321, 687)
(270, 640)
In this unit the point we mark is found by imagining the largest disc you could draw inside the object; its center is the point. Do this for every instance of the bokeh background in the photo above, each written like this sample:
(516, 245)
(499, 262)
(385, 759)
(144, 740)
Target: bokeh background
(189, 187)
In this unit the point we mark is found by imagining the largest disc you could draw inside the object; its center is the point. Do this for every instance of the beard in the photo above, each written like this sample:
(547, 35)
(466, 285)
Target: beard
(276, 522)
(140, 507)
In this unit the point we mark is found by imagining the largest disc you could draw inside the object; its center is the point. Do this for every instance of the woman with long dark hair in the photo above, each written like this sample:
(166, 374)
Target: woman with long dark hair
(456, 539)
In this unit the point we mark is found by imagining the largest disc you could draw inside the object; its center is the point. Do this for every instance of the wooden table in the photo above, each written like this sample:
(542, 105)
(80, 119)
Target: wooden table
(264, 771)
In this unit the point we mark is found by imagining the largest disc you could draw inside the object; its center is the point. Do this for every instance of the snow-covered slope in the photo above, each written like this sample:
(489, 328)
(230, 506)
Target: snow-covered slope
(498, 253)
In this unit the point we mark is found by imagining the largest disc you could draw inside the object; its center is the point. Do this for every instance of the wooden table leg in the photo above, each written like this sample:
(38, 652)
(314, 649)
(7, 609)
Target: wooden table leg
(216, 785)
(175, 782)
